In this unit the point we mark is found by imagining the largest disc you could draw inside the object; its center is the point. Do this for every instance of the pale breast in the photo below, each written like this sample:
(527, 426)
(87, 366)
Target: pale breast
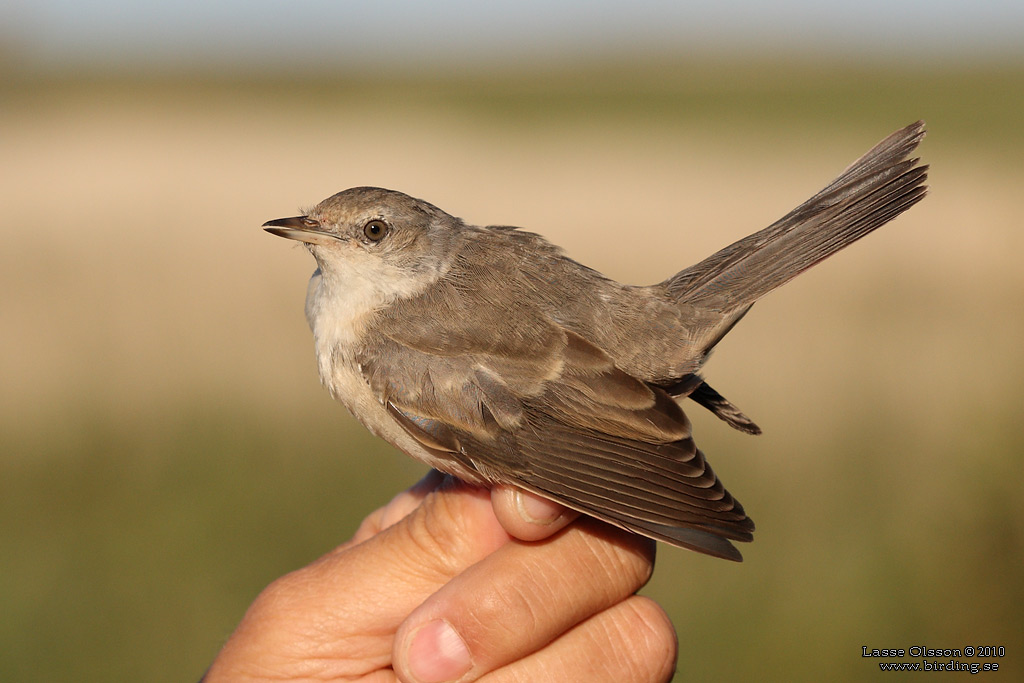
(338, 326)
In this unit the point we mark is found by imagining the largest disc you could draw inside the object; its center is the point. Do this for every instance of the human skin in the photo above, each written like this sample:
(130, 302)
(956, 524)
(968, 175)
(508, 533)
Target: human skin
(449, 582)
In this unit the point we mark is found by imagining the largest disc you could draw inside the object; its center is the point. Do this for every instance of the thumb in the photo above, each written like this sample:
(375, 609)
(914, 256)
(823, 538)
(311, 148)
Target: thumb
(346, 606)
(388, 575)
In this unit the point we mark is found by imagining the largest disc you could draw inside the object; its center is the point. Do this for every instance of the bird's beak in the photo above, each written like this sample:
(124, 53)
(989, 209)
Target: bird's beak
(301, 228)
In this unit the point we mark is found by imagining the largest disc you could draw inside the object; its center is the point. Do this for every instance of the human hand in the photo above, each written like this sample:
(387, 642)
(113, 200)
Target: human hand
(454, 583)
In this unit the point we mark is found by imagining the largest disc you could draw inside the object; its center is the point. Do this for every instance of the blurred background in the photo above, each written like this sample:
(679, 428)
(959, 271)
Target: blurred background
(166, 449)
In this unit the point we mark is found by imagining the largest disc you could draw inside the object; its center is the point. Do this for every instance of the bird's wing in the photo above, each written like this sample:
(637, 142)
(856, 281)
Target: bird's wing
(550, 412)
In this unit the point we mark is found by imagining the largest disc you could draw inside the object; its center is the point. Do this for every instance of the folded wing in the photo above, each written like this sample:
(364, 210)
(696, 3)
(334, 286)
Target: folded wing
(568, 425)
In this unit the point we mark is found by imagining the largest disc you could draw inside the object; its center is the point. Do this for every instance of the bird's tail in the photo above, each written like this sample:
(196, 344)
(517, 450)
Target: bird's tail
(872, 191)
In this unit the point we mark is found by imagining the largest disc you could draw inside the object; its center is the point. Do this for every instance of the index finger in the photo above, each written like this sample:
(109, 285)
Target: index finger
(341, 612)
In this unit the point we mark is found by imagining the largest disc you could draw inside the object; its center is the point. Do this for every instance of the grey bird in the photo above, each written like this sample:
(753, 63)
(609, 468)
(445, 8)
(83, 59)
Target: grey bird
(488, 354)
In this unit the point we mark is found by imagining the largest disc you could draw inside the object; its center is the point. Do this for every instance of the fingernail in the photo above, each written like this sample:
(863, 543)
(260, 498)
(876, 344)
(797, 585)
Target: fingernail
(438, 653)
(536, 510)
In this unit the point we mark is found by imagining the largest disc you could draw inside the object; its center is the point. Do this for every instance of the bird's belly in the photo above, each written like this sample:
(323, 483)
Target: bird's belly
(350, 388)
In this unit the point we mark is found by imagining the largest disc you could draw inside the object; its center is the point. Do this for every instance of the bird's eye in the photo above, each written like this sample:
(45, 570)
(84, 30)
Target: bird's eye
(375, 230)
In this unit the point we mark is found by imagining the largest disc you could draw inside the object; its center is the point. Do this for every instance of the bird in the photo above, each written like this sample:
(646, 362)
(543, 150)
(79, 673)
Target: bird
(490, 355)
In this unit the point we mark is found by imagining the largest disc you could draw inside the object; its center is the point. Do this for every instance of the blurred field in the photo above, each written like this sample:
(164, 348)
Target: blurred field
(167, 450)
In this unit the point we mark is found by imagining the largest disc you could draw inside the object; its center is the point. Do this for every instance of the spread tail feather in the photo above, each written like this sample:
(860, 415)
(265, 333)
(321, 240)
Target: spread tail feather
(872, 191)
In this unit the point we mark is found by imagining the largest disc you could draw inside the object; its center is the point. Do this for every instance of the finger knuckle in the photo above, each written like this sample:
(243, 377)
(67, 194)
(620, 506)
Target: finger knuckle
(629, 558)
(649, 641)
(284, 593)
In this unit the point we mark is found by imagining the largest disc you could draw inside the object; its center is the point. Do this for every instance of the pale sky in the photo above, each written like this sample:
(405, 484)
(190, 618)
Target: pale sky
(56, 32)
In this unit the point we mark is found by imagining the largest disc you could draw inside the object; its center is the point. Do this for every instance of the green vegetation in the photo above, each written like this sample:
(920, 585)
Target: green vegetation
(973, 102)
(131, 551)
